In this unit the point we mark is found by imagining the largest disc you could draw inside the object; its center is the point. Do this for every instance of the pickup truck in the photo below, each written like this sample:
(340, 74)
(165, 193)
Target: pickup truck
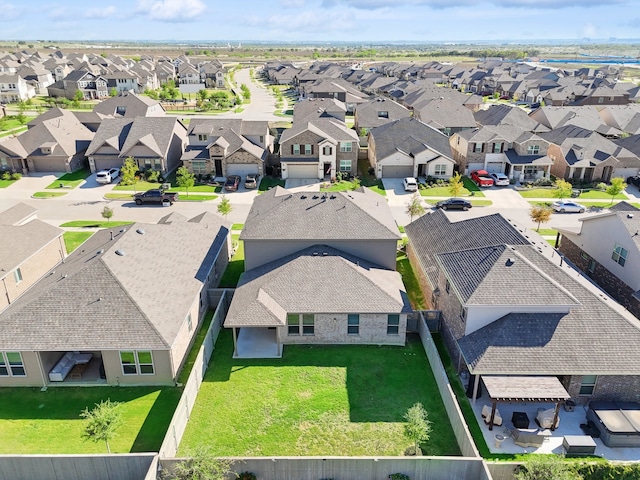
(482, 178)
(155, 195)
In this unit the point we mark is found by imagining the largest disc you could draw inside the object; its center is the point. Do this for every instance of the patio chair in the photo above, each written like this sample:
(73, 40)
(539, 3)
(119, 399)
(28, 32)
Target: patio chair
(526, 439)
(486, 414)
(545, 418)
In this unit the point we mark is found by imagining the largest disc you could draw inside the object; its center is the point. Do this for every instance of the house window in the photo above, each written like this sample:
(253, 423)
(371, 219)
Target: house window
(393, 324)
(327, 150)
(345, 146)
(592, 266)
(293, 324)
(588, 385)
(295, 149)
(345, 165)
(383, 114)
(308, 324)
(308, 149)
(600, 99)
(447, 286)
(533, 149)
(17, 275)
(463, 314)
(11, 365)
(189, 322)
(121, 110)
(199, 166)
(477, 147)
(440, 170)
(158, 164)
(3, 163)
(147, 163)
(619, 255)
(261, 138)
(202, 137)
(353, 324)
(497, 148)
(137, 362)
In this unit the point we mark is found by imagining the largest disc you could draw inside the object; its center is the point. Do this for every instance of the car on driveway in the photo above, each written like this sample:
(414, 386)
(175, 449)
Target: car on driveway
(566, 206)
(635, 180)
(499, 179)
(481, 178)
(108, 175)
(232, 183)
(251, 181)
(410, 184)
(454, 204)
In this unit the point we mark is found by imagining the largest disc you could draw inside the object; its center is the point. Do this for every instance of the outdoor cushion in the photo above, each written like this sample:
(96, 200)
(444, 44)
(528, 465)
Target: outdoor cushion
(526, 439)
(486, 414)
(545, 418)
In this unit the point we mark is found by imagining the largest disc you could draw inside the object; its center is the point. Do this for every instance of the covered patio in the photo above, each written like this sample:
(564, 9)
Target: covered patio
(255, 342)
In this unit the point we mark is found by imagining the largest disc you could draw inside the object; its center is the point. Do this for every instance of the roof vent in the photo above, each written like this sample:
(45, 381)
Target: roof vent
(120, 253)
(100, 252)
(140, 231)
(629, 215)
(324, 254)
(510, 261)
(315, 197)
(302, 197)
(123, 230)
(315, 254)
(332, 197)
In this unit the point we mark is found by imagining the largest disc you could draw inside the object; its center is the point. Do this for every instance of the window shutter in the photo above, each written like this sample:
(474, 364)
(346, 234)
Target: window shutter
(291, 149)
(311, 149)
(482, 148)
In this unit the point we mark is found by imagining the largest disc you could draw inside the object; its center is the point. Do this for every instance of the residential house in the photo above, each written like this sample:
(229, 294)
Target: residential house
(122, 81)
(320, 107)
(377, 112)
(227, 147)
(155, 143)
(335, 88)
(14, 89)
(349, 239)
(584, 117)
(188, 74)
(123, 304)
(510, 307)
(57, 144)
(445, 115)
(498, 115)
(625, 118)
(606, 247)
(409, 148)
(212, 74)
(93, 86)
(36, 76)
(130, 105)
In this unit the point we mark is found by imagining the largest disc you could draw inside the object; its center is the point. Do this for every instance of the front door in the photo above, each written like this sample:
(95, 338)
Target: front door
(327, 170)
(218, 167)
(421, 169)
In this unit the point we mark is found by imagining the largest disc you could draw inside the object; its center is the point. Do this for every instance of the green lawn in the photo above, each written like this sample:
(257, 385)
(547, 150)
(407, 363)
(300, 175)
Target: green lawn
(196, 198)
(469, 189)
(9, 123)
(404, 268)
(13, 132)
(6, 183)
(550, 193)
(547, 231)
(316, 400)
(269, 182)
(586, 203)
(119, 196)
(32, 421)
(94, 224)
(48, 194)
(475, 203)
(370, 181)
(197, 343)
(70, 180)
(236, 265)
(73, 240)
(143, 186)
(237, 226)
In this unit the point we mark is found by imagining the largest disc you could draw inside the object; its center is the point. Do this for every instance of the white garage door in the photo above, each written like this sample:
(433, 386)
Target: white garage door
(242, 169)
(397, 171)
(302, 171)
(495, 167)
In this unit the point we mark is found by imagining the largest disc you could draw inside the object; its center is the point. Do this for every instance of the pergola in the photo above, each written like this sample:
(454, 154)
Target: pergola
(525, 389)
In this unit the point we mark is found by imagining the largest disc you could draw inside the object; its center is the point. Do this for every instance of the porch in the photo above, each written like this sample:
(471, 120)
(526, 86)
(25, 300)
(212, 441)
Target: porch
(256, 342)
(91, 373)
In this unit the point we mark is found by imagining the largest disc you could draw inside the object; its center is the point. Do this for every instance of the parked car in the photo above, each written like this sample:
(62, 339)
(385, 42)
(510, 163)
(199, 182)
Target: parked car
(107, 176)
(534, 105)
(482, 178)
(251, 181)
(499, 179)
(567, 206)
(454, 204)
(635, 180)
(410, 184)
(232, 183)
(156, 195)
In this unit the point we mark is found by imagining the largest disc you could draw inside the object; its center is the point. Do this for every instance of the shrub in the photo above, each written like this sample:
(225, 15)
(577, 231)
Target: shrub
(5, 176)
(152, 176)
(601, 186)
(371, 171)
(399, 476)
(247, 476)
(16, 176)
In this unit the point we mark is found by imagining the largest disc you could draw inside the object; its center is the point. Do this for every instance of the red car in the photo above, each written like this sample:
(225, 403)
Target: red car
(231, 185)
(482, 178)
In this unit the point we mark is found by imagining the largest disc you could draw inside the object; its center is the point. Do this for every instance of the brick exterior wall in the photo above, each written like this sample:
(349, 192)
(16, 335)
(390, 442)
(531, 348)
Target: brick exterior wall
(560, 167)
(243, 157)
(611, 284)
(623, 388)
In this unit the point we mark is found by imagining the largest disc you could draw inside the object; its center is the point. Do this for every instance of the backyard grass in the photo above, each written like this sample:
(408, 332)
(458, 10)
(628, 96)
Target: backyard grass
(316, 400)
(550, 193)
(404, 268)
(32, 421)
(48, 194)
(236, 265)
(70, 180)
(94, 224)
(370, 181)
(73, 240)
(469, 189)
(269, 182)
(193, 353)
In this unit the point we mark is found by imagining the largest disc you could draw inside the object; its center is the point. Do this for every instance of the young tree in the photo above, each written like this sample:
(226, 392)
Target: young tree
(77, 96)
(617, 186)
(414, 206)
(418, 426)
(224, 207)
(129, 171)
(540, 214)
(102, 422)
(455, 185)
(113, 92)
(107, 213)
(563, 188)
(185, 179)
(356, 183)
(203, 466)
(546, 467)
(202, 95)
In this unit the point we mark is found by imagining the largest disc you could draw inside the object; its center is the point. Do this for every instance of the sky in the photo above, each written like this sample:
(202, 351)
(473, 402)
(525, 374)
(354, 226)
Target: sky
(366, 21)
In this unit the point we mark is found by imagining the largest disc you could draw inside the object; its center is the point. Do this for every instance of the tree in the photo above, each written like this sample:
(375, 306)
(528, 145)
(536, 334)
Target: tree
(113, 92)
(185, 179)
(107, 213)
(129, 172)
(102, 422)
(202, 95)
(418, 426)
(563, 188)
(546, 467)
(77, 96)
(414, 206)
(540, 214)
(202, 466)
(617, 186)
(356, 183)
(455, 185)
(224, 207)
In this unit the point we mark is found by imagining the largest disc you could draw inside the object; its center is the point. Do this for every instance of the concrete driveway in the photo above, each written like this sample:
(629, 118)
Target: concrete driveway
(303, 184)
(396, 195)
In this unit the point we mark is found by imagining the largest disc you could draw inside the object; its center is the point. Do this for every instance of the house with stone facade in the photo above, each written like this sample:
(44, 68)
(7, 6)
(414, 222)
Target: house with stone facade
(319, 269)
(227, 147)
(511, 307)
(122, 309)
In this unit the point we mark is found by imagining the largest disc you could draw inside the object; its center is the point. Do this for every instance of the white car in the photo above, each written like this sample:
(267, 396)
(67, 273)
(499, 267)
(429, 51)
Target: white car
(107, 176)
(499, 179)
(567, 206)
(410, 184)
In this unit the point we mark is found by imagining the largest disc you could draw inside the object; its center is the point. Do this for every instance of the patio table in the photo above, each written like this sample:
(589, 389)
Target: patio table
(520, 419)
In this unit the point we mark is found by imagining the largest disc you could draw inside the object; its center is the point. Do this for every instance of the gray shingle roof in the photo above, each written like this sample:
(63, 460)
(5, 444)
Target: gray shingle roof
(290, 285)
(591, 339)
(136, 105)
(17, 214)
(282, 215)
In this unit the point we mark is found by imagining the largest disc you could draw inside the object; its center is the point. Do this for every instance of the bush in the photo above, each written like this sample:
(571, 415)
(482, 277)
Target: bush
(247, 476)
(16, 176)
(601, 186)
(152, 176)
(411, 451)
(371, 171)
(399, 476)
(543, 182)
(5, 176)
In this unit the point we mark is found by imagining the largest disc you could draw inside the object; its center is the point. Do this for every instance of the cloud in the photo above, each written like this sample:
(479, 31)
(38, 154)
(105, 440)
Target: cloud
(9, 11)
(442, 4)
(589, 30)
(59, 13)
(171, 10)
(292, 3)
(104, 12)
(306, 22)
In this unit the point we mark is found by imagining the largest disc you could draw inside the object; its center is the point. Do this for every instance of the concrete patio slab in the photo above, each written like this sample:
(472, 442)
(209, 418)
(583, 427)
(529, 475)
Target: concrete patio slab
(257, 343)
